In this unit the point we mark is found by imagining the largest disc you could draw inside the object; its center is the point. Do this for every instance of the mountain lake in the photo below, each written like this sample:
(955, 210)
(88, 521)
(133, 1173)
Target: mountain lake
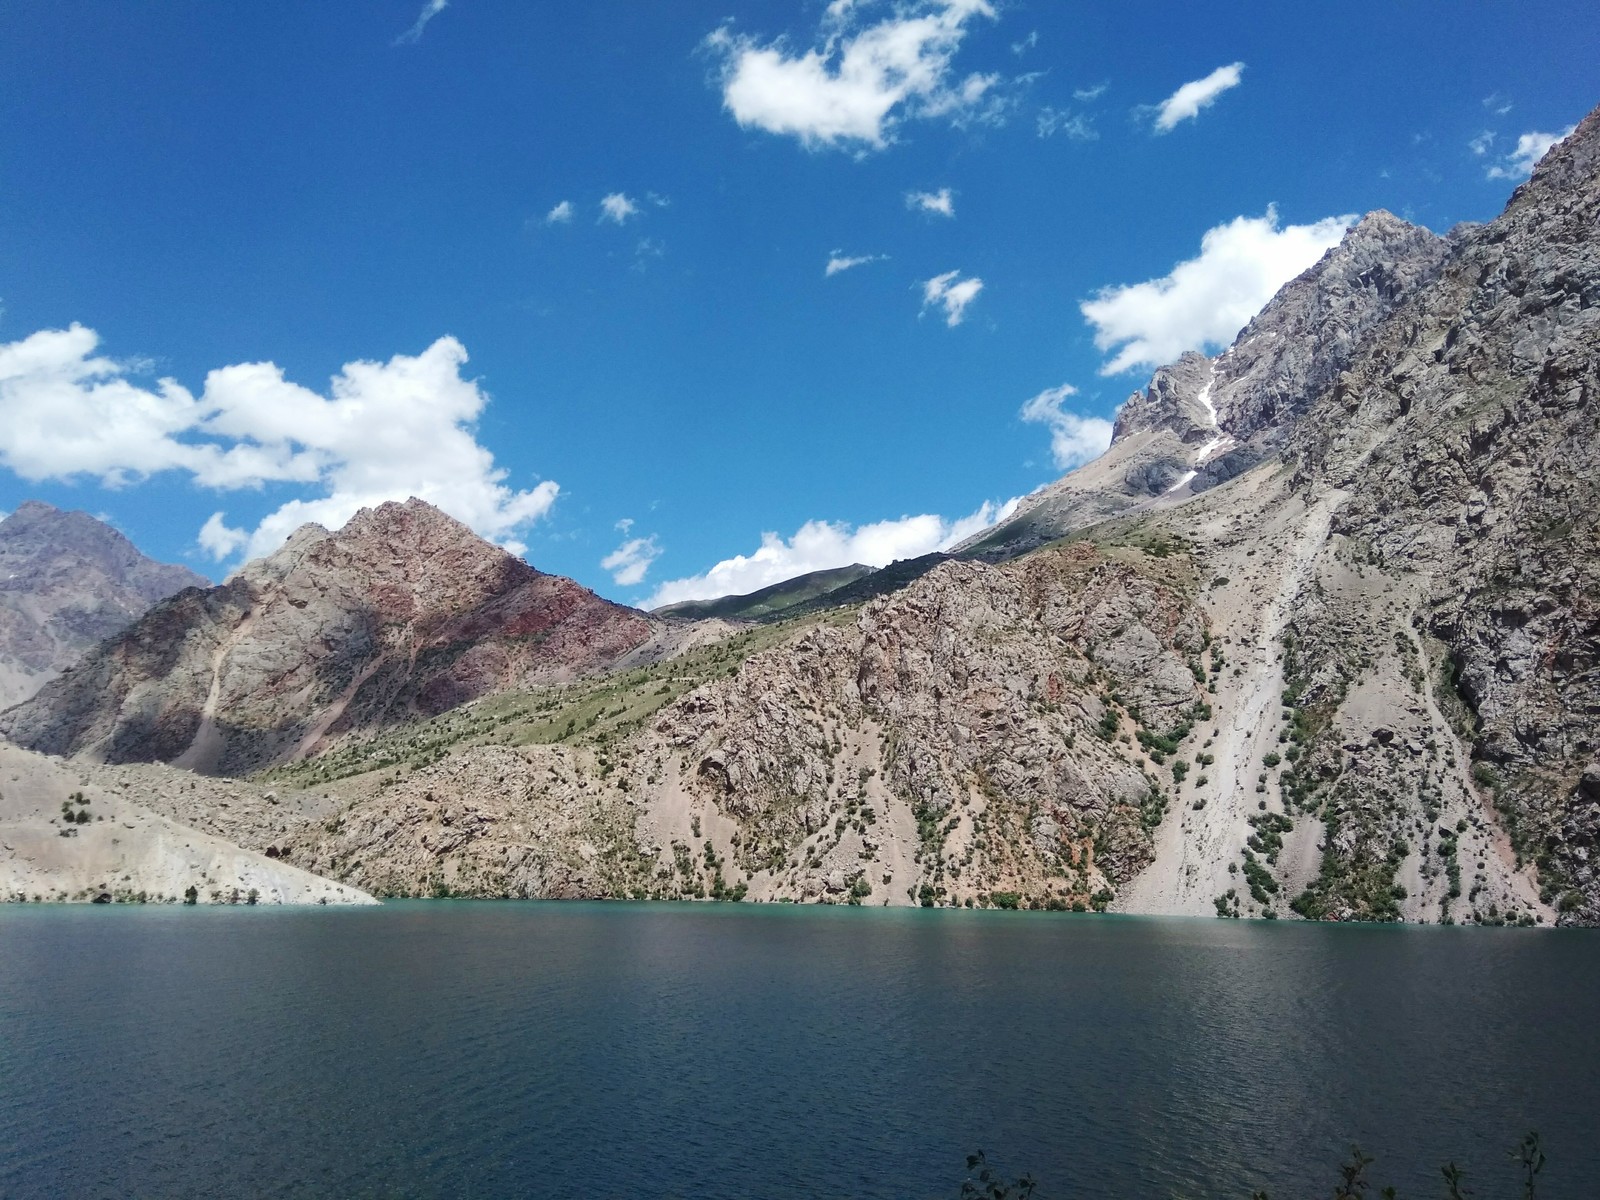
(564, 1049)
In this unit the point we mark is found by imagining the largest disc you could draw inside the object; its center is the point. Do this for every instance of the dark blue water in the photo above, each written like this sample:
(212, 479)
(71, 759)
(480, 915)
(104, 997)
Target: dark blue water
(589, 1050)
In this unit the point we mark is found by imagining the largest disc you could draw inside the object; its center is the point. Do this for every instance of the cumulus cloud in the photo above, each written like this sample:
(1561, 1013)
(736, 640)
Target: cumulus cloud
(218, 539)
(1187, 102)
(1205, 301)
(819, 545)
(951, 293)
(383, 431)
(940, 202)
(838, 261)
(630, 562)
(561, 214)
(617, 207)
(1074, 439)
(430, 10)
(1531, 147)
(859, 82)
(1076, 126)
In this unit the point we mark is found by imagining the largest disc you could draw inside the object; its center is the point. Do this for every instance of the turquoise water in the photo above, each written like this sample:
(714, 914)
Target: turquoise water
(598, 1050)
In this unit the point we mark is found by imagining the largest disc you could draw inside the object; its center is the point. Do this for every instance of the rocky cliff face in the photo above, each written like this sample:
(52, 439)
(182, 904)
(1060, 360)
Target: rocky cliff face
(68, 581)
(1420, 581)
(1202, 421)
(1466, 438)
(1313, 328)
(980, 732)
(404, 612)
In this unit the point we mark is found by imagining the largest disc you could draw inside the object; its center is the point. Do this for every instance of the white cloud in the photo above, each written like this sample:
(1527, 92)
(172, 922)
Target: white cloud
(843, 262)
(1074, 439)
(856, 86)
(430, 10)
(1531, 147)
(1480, 145)
(952, 293)
(1496, 103)
(1205, 301)
(819, 545)
(1026, 44)
(940, 202)
(220, 540)
(1187, 102)
(384, 431)
(617, 207)
(1060, 120)
(630, 562)
(1088, 95)
(561, 214)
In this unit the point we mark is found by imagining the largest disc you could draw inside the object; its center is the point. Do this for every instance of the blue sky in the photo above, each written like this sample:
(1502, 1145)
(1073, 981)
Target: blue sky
(565, 269)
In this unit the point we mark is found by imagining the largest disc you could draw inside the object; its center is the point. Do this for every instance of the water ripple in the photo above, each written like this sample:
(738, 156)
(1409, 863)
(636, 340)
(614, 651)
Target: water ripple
(464, 1050)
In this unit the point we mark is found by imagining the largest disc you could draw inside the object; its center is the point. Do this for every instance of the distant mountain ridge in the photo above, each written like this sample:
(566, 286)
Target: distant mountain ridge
(769, 602)
(68, 581)
(404, 612)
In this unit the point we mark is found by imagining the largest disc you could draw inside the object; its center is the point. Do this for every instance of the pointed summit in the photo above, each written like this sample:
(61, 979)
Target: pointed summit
(1297, 345)
(1201, 421)
(402, 612)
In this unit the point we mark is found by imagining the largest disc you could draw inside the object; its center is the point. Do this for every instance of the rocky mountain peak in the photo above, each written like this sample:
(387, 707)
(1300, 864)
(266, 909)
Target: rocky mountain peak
(403, 611)
(37, 533)
(67, 581)
(1297, 345)
(33, 510)
(402, 560)
(405, 518)
(1171, 401)
(1567, 169)
(1202, 421)
(1379, 225)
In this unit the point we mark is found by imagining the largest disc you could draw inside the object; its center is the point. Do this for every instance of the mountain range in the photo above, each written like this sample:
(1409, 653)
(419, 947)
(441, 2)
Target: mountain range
(1316, 637)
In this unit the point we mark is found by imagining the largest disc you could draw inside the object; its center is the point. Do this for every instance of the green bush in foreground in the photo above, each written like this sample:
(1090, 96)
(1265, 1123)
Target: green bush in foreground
(984, 1183)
